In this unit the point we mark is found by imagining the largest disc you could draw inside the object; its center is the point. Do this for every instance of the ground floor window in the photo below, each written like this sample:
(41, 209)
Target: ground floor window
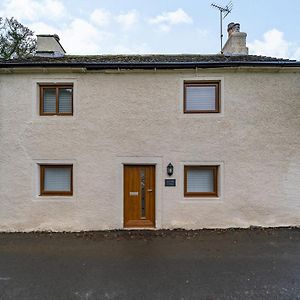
(56, 180)
(201, 181)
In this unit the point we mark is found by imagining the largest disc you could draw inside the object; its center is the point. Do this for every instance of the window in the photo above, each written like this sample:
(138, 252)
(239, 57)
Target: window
(201, 181)
(56, 100)
(56, 180)
(202, 97)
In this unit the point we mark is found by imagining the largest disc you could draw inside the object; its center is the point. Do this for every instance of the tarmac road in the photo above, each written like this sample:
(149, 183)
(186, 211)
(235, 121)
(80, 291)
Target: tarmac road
(207, 264)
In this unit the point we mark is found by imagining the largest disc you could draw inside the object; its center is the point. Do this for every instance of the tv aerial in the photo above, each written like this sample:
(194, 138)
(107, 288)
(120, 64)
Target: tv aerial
(224, 12)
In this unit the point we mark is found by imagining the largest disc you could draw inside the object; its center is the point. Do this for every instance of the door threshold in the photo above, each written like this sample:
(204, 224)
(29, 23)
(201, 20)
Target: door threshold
(139, 228)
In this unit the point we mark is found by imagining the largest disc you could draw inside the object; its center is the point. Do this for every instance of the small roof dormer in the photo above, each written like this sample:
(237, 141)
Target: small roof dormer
(49, 46)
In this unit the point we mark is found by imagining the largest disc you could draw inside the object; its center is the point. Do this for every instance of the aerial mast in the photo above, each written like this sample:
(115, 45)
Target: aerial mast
(224, 12)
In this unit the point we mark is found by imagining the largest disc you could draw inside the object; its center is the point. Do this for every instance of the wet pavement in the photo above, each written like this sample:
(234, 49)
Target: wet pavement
(207, 264)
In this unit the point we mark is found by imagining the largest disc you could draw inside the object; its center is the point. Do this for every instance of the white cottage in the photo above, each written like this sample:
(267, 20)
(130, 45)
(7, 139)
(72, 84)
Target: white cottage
(149, 141)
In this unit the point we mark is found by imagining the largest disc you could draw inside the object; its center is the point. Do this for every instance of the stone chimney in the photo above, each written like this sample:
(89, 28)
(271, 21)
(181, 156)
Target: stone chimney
(236, 42)
(49, 46)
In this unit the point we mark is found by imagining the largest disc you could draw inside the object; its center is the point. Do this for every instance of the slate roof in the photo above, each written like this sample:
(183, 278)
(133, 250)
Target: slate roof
(149, 61)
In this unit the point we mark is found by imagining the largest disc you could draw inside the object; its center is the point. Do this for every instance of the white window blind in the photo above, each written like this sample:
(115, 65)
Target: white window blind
(57, 179)
(200, 180)
(200, 98)
(65, 100)
(49, 101)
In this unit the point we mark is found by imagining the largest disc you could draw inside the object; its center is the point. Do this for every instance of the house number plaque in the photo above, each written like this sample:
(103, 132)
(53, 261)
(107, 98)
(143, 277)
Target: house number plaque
(170, 182)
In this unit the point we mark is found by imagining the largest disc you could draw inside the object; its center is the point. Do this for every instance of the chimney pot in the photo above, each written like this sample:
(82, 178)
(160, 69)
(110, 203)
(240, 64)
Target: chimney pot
(233, 27)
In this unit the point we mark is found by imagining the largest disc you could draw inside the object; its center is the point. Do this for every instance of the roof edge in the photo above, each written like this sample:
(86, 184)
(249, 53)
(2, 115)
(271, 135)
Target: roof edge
(151, 65)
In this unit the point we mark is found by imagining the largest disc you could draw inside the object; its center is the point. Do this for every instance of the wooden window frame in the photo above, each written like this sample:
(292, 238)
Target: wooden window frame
(56, 87)
(43, 192)
(215, 170)
(215, 83)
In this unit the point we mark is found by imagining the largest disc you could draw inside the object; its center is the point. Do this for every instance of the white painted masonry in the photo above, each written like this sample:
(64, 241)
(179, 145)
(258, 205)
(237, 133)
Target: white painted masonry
(136, 117)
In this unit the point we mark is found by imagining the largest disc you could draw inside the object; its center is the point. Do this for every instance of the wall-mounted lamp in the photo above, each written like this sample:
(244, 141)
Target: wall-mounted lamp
(170, 169)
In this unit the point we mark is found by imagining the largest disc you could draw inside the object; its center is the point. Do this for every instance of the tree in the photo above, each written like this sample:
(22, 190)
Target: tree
(16, 40)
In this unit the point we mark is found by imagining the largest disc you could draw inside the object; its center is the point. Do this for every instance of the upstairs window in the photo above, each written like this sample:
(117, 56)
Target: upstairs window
(56, 180)
(202, 97)
(201, 181)
(56, 100)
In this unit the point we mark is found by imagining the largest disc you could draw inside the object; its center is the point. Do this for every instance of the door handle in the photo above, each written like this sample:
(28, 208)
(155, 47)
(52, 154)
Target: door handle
(133, 193)
(149, 190)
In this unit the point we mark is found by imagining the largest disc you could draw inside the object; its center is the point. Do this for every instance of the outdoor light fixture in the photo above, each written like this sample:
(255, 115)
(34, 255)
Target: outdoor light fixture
(170, 169)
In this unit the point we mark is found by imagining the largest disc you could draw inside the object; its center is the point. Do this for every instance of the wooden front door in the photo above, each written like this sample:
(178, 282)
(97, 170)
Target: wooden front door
(139, 196)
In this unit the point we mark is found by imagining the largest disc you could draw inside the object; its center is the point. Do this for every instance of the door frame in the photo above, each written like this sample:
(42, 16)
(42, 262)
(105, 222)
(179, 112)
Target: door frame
(157, 162)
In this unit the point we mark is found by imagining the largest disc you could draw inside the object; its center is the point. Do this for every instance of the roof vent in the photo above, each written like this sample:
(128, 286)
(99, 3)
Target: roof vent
(236, 42)
(49, 46)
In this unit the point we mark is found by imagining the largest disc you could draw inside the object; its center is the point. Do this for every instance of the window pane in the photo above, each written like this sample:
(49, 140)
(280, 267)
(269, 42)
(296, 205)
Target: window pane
(57, 179)
(200, 98)
(200, 180)
(49, 101)
(65, 100)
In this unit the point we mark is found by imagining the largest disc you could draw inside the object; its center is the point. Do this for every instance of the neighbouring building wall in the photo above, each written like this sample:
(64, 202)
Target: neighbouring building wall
(137, 117)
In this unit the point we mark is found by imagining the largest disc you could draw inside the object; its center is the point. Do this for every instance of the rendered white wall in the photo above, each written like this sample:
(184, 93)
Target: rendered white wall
(135, 117)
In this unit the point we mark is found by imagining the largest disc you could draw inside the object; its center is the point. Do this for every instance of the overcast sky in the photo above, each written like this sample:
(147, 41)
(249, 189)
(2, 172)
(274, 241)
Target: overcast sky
(159, 26)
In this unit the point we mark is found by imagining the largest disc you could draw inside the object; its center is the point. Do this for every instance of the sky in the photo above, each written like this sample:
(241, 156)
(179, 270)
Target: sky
(160, 26)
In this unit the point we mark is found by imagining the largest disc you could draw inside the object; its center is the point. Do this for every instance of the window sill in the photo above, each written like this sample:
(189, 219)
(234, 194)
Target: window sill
(201, 200)
(183, 115)
(69, 199)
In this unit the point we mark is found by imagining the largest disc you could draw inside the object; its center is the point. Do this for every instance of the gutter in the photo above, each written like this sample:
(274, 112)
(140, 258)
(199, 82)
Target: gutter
(151, 65)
